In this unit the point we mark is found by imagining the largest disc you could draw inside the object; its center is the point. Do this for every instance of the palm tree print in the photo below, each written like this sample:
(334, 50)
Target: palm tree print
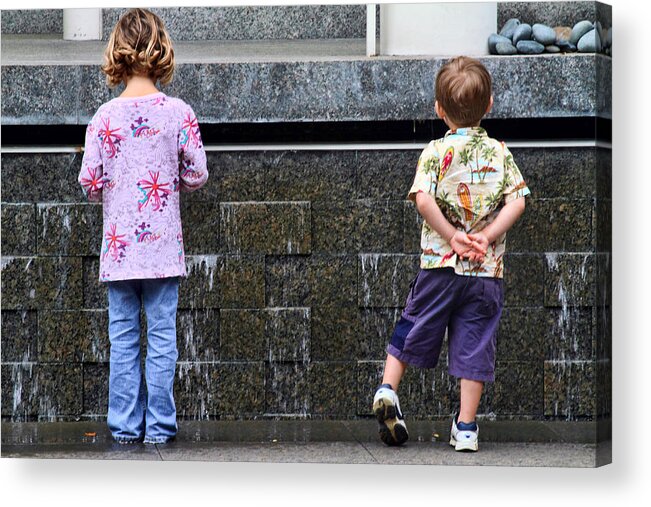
(110, 138)
(114, 244)
(153, 192)
(190, 132)
(488, 153)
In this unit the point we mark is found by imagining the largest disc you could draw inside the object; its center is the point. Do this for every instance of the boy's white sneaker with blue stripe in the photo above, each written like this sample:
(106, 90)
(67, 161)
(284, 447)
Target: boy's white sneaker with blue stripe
(464, 436)
(386, 407)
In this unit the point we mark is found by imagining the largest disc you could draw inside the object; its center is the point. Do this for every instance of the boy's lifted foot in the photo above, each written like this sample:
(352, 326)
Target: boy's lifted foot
(386, 407)
(464, 436)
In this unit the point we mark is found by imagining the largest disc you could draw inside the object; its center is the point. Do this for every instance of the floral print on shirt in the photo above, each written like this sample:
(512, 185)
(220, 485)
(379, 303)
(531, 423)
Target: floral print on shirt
(140, 153)
(471, 176)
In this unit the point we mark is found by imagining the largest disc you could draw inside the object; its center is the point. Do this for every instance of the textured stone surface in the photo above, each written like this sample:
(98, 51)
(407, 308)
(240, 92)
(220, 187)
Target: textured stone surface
(335, 333)
(255, 22)
(523, 280)
(384, 279)
(242, 335)
(523, 377)
(41, 282)
(95, 293)
(31, 21)
(550, 13)
(19, 336)
(200, 221)
(18, 229)
(570, 390)
(288, 334)
(73, 336)
(198, 334)
(269, 227)
(363, 89)
(50, 177)
(327, 378)
(568, 226)
(523, 334)
(241, 389)
(287, 389)
(96, 388)
(376, 329)
(571, 334)
(413, 223)
(569, 280)
(69, 229)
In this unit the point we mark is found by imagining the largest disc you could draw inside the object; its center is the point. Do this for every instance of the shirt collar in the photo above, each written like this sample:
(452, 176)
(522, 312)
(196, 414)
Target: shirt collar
(467, 131)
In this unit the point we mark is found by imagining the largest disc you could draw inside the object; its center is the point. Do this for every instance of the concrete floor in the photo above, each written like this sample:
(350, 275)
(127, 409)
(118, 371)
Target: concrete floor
(531, 443)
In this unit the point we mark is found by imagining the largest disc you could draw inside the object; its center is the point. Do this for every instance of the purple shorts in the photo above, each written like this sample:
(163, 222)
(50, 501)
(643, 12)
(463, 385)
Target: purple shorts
(468, 306)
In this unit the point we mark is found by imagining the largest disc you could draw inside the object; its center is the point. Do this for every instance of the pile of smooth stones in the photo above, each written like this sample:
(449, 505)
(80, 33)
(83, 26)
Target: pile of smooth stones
(522, 38)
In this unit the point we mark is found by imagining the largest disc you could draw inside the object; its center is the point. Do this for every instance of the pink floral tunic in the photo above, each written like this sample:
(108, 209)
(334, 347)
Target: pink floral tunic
(140, 153)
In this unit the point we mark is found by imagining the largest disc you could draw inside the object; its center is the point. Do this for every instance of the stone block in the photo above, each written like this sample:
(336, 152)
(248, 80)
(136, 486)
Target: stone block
(200, 227)
(318, 280)
(379, 225)
(234, 176)
(518, 388)
(287, 390)
(242, 335)
(41, 283)
(333, 388)
(384, 279)
(216, 281)
(18, 229)
(241, 389)
(198, 334)
(96, 389)
(604, 225)
(288, 334)
(333, 227)
(32, 21)
(196, 390)
(268, 228)
(311, 176)
(413, 224)
(570, 390)
(19, 390)
(523, 280)
(549, 13)
(92, 92)
(69, 229)
(569, 279)
(376, 329)
(604, 388)
(335, 333)
(522, 334)
(369, 377)
(19, 336)
(570, 334)
(385, 174)
(553, 225)
(29, 95)
(41, 177)
(73, 336)
(95, 293)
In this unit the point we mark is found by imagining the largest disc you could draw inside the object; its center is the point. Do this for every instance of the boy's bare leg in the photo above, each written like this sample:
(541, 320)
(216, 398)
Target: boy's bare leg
(394, 369)
(470, 395)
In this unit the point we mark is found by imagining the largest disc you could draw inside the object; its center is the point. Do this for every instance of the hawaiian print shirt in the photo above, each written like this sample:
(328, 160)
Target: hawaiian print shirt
(471, 176)
(140, 153)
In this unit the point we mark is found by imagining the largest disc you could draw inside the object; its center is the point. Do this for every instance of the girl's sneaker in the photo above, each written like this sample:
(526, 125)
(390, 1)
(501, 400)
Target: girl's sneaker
(464, 436)
(386, 407)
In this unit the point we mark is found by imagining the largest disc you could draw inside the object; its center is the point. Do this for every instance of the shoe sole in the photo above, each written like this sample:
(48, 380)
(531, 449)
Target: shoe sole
(472, 446)
(391, 432)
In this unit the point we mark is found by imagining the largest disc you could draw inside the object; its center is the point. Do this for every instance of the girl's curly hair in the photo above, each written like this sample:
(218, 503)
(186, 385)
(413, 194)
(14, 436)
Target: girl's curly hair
(139, 45)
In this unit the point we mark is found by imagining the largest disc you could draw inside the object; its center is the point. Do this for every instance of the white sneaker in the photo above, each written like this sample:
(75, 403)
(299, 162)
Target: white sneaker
(386, 407)
(464, 439)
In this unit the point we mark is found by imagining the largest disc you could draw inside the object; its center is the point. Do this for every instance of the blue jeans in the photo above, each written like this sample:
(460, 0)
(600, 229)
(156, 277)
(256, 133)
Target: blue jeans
(135, 412)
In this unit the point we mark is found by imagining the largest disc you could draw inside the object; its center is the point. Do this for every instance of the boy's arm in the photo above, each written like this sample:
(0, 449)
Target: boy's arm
(505, 219)
(459, 240)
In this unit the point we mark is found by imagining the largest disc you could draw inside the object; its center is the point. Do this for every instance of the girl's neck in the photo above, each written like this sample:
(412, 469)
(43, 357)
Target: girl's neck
(137, 86)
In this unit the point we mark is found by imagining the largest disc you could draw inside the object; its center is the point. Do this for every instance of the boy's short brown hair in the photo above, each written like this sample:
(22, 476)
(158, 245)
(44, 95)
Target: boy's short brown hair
(463, 90)
(138, 45)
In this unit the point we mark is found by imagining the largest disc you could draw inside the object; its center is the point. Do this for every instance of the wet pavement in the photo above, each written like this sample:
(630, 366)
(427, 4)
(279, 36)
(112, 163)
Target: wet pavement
(503, 443)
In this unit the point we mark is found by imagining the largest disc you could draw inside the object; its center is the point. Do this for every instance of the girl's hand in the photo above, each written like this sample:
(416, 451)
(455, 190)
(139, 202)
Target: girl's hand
(479, 242)
(461, 244)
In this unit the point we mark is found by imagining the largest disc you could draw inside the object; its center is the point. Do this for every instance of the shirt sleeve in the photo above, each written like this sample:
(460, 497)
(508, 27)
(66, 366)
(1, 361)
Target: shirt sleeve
(426, 172)
(91, 176)
(193, 170)
(513, 183)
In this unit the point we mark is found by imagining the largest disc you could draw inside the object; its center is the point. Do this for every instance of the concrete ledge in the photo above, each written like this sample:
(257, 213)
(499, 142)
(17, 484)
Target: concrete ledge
(276, 81)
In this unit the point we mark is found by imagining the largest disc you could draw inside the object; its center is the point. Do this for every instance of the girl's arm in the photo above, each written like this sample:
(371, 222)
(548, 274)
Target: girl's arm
(459, 240)
(91, 176)
(193, 169)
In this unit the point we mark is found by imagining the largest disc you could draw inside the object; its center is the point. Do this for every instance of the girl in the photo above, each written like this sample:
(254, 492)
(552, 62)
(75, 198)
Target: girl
(142, 149)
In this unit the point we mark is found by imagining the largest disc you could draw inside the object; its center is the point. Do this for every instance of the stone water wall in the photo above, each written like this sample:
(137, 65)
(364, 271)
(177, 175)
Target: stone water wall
(299, 263)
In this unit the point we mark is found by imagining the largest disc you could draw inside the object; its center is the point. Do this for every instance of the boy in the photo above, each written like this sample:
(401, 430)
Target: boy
(470, 193)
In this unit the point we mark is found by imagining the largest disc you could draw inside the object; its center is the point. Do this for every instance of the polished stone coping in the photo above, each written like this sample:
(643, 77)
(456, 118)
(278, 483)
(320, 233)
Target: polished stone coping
(47, 81)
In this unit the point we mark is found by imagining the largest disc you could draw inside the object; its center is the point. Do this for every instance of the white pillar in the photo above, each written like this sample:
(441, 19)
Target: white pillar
(371, 36)
(441, 29)
(82, 24)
